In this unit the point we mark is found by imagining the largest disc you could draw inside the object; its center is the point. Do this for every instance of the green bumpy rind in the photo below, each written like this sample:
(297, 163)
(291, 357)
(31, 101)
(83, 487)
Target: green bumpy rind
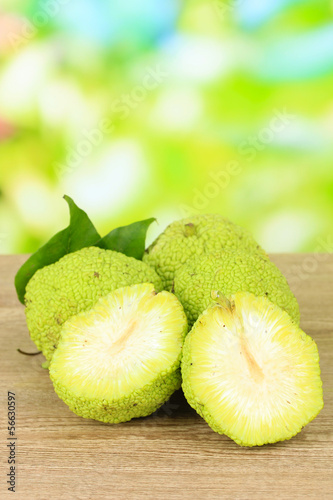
(229, 273)
(74, 284)
(189, 394)
(141, 403)
(194, 236)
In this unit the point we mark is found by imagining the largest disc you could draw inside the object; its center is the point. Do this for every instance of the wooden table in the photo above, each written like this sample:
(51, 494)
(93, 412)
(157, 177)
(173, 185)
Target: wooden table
(173, 454)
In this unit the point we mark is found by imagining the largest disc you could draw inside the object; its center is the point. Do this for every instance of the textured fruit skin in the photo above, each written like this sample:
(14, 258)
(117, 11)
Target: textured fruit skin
(74, 284)
(197, 235)
(190, 363)
(140, 402)
(229, 273)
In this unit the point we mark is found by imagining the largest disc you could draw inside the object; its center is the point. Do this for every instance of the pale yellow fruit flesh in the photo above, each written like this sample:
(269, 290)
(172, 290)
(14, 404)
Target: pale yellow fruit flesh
(116, 349)
(251, 372)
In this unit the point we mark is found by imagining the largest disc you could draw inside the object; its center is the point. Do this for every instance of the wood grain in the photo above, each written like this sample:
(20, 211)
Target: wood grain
(170, 455)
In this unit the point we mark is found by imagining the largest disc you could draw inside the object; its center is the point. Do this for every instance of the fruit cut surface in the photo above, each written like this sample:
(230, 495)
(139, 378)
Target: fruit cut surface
(251, 372)
(121, 359)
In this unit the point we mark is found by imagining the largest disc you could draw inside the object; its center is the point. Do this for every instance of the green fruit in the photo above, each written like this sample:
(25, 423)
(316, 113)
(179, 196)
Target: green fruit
(121, 359)
(198, 235)
(250, 372)
(231, 272)
(74, 284)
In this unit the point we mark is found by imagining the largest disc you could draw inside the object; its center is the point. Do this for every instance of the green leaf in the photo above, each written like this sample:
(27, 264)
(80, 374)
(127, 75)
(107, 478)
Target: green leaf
(130, 240)
(79, 234)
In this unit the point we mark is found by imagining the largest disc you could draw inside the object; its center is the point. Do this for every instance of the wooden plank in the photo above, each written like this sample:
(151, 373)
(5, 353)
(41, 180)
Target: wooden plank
(172, 454)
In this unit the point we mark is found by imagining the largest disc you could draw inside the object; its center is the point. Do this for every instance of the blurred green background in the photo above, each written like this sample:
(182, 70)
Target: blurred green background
(167, 108)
